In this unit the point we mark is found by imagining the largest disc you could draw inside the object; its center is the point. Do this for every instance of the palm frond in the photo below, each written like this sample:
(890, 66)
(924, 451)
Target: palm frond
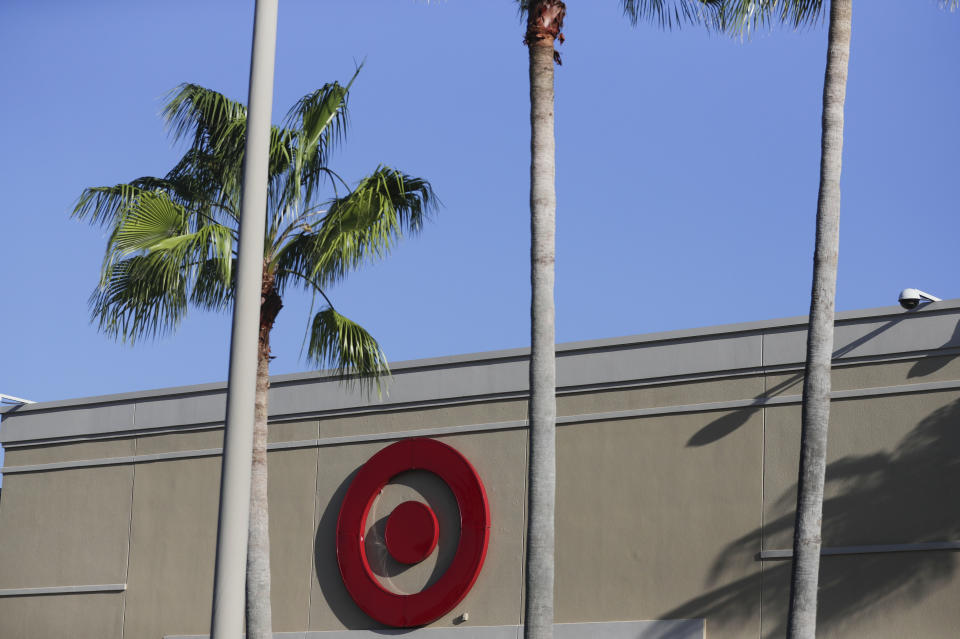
(319, 120)
(359, 227)
(103, 205)
(141, 296)
(669, 14)
(365, 224)
(338, 343)
(208, 117)
(741, 17)
(213, 289)
(152, 221)
(147, 220)
(218, 126)
(191, 188)
(154, 257)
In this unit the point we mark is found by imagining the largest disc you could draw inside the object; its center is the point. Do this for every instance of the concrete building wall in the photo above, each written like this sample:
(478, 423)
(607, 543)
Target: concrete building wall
(677, 458)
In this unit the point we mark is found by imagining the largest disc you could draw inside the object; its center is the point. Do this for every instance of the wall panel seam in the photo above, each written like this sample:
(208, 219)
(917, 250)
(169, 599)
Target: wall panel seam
(126, 568)
(316, 524)
(866, 549)
(763, 485)
(61, 590)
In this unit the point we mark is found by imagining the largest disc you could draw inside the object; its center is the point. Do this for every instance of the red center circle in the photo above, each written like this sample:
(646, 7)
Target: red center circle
(412, 532)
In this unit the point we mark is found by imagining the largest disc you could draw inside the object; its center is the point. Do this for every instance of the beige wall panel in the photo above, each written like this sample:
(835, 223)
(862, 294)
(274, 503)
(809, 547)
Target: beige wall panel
(77, 616)
(293, 431)
(912, 371)
(402, 420)
(650, 525)
(292, 495)
(881, 596)
(892, 469)
(177, 442)
(170, 583)
(69, 452)
(65, 528)
(500, 460)
(661, 395)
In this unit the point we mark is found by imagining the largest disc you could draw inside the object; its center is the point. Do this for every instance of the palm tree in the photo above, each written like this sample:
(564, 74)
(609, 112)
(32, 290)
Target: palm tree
(815, 417)
(173, 244)
(544, 21)
(802, 618)
(544, 25)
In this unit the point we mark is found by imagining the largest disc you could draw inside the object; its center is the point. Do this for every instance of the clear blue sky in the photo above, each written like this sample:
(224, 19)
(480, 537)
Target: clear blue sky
(687, 170)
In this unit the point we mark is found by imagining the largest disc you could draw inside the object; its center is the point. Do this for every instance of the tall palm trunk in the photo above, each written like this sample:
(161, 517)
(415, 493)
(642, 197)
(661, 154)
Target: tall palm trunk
(544, 21)
(802, 621)
(259, 617)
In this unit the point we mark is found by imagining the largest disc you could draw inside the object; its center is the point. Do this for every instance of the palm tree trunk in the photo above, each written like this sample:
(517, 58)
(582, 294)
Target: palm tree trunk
(259, 617)
(802, 621)
(544, 20)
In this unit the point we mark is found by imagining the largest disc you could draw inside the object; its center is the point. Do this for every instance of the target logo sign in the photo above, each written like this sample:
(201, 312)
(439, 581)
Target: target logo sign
(412, 533)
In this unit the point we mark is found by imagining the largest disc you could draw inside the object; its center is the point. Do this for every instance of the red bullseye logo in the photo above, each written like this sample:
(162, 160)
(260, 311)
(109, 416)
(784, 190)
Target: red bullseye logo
(412, 533)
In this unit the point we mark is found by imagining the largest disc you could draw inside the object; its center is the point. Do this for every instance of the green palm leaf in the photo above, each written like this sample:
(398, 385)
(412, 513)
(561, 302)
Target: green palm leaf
(359, 227)
(674, 13)
(206, 116)
(339, 343)
(103, 205)
(215, 284)
(365, 224)
(743, 16)
(152, 261)
(147, 220)
(141, 296)
(320, 119)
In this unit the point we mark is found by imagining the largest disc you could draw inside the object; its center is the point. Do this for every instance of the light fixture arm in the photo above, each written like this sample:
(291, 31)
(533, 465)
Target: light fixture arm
(910, 298)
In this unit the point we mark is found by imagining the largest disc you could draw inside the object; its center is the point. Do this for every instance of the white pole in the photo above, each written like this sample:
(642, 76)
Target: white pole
(234, 521)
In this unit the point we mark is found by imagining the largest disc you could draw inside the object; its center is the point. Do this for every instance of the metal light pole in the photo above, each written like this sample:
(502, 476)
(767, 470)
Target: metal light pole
(234, 521)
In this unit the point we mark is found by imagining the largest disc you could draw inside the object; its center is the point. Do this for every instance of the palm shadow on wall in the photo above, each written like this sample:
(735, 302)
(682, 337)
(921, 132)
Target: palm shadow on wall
(929, 365)
(731, 421)
(901, 496)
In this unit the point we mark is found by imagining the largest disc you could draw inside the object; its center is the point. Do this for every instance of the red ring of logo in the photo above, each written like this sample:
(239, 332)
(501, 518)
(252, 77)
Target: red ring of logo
(405, 611)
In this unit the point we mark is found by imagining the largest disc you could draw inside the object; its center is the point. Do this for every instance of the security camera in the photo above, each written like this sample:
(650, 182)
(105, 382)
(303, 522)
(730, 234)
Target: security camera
(910, 298)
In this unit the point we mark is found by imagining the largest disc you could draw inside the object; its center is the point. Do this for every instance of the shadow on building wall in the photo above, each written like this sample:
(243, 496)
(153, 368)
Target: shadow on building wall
(335, 593)
(328, 573)
(732, 421)
(904, 496)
